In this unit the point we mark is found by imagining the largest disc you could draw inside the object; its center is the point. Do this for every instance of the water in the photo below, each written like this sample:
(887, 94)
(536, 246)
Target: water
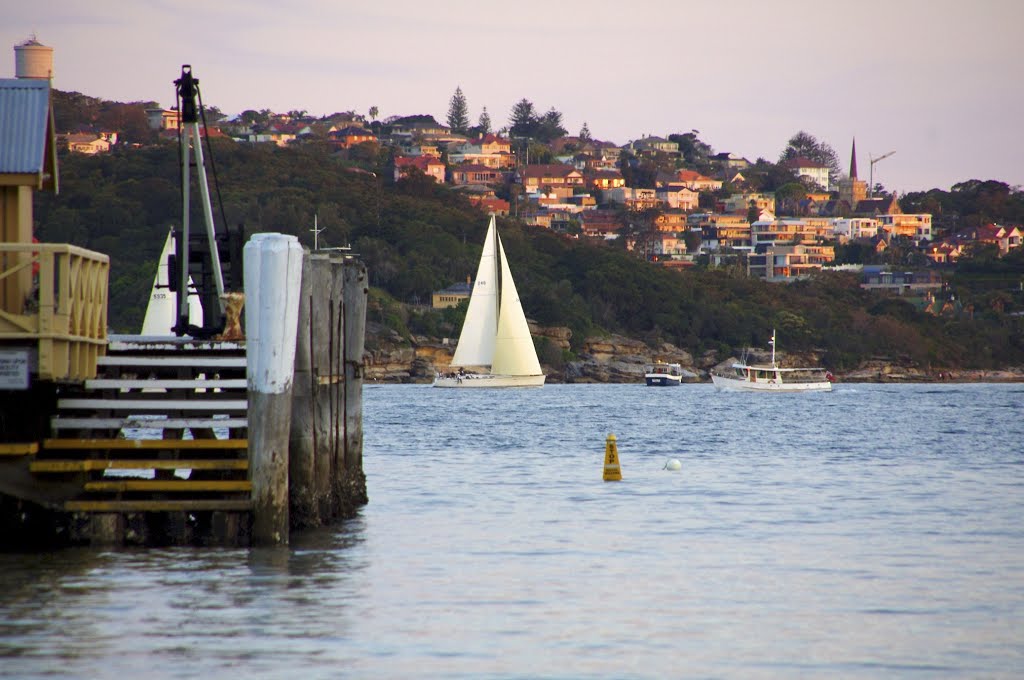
(871, 532)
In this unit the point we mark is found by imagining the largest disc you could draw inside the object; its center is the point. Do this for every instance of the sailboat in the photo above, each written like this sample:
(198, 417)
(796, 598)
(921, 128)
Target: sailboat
(495, 347)
(160, 312)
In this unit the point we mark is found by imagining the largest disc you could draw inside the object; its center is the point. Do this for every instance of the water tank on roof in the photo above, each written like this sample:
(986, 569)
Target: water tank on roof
(32, 59)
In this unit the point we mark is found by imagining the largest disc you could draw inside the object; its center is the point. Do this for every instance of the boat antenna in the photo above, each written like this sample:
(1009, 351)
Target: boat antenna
(316, 233)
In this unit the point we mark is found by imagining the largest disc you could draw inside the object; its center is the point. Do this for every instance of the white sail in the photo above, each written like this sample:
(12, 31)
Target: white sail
(495, 335)
(476, 342)
(161, 312)
(514, 352)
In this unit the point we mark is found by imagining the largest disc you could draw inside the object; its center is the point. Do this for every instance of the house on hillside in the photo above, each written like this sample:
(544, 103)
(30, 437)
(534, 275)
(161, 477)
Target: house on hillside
(490, 150)
(601, 224)
(348, 137)
(917, 227)
(1004, 238)
(740, 204)
(692, 180)
(671, 221)
(812, 170)
(880, 278)
(680, 198)
(730, 161)
(542, 178)
(634, 198)
(429, 165)
(720, 232)
(474, 173)
(452, 295)
(88, 143)
(490, 204)
(604, 179)
(777, 262)
(853, 228)
(649, 145)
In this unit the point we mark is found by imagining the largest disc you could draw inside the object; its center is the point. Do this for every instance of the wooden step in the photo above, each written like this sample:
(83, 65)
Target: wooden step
(175, 361)
(121, 342)
(229, 505)
(62, 423)
(93, 464)
(168, 384)
(145, 444)
(168, 485)
(19, 448)
(135, 405)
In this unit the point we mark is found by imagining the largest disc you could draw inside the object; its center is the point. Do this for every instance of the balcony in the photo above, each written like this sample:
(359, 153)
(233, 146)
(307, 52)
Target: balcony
(54, 296)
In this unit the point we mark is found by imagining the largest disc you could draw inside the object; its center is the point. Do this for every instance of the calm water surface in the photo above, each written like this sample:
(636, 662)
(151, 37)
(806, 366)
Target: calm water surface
(874, 532)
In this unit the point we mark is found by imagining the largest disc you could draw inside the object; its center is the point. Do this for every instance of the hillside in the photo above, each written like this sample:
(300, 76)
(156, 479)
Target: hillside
(416, 237)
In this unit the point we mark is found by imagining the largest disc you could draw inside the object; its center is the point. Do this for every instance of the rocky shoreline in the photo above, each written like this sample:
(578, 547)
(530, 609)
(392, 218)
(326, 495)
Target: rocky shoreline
(615, 359)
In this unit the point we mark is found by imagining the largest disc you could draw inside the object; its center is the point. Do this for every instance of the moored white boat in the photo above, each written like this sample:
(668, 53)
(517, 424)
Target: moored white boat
(772, 378)
(661, 374)
(495, 336)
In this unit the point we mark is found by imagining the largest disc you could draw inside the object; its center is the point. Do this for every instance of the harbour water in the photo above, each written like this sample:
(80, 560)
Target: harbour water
(871, 532)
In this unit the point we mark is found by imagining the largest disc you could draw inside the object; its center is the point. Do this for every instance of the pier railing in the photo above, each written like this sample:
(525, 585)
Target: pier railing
(55, 295)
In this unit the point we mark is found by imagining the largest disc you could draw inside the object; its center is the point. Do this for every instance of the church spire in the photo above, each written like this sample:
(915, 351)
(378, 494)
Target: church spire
(853, 160)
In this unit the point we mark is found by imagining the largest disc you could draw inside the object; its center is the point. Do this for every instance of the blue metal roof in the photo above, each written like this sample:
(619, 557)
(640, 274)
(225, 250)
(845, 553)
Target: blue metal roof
(24, 115)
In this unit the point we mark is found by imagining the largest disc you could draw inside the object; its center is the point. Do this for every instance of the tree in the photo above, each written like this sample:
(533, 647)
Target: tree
(458, 112)
(585, 132)
(523, 121)
(373, 112)
(695, 152)
(805, 145)
(549, 126)
(485, 122)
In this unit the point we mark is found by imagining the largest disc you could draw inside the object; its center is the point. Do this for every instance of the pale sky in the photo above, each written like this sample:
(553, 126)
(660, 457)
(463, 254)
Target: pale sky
(940, 82)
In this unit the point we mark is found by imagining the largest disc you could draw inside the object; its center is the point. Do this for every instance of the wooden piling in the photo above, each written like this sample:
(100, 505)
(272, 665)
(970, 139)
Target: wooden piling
(309, 474)
(301, 476)
(353, 491)
(273, 272)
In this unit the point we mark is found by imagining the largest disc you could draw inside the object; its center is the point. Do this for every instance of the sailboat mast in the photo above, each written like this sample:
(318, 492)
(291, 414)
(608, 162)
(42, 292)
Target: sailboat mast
(497, 273)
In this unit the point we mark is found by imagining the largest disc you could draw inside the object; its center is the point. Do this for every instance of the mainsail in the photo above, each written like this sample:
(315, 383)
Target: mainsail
(476, 342)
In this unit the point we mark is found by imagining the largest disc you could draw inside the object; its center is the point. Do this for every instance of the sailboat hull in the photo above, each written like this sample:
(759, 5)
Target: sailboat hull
(486, 380)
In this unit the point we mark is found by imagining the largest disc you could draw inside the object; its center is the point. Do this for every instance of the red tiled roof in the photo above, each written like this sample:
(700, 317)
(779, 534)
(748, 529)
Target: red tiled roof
(421, 162)
(549, 170)
(801, 162)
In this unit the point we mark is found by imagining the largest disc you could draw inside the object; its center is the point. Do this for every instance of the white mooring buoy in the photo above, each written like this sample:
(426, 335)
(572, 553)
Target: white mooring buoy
(673, 464)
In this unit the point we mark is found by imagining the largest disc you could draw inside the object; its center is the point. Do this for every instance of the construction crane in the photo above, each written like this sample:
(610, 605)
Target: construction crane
(871, 178)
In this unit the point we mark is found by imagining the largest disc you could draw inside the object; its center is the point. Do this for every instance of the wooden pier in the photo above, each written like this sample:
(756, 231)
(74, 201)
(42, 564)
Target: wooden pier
(155, 449)
(146, 440)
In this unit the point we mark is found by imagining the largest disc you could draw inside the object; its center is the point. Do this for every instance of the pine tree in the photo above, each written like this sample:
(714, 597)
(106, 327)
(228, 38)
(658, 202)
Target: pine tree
(524, 120)
(485, 122)
(458, 116)
(585, 132)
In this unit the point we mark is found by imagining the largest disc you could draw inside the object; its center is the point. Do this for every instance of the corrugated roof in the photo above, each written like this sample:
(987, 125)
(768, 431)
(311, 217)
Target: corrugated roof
(24, 113)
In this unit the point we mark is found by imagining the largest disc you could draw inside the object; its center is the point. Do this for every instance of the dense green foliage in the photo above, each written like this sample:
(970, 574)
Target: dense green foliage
(968, 204)
(417, 237)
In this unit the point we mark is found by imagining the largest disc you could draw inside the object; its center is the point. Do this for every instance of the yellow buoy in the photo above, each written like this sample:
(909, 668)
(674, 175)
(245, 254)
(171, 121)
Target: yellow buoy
(612, 471)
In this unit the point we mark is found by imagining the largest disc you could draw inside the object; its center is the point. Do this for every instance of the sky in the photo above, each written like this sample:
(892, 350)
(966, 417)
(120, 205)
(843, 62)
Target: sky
(938, 82)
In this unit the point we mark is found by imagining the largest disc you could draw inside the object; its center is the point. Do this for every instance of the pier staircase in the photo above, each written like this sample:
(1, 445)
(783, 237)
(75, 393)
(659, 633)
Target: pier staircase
(162, 428)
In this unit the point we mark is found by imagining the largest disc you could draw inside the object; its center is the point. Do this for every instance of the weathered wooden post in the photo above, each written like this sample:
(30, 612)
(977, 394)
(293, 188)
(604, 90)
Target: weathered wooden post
(302, 509)
(309, 472)
(354, 297)
(273, 273)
